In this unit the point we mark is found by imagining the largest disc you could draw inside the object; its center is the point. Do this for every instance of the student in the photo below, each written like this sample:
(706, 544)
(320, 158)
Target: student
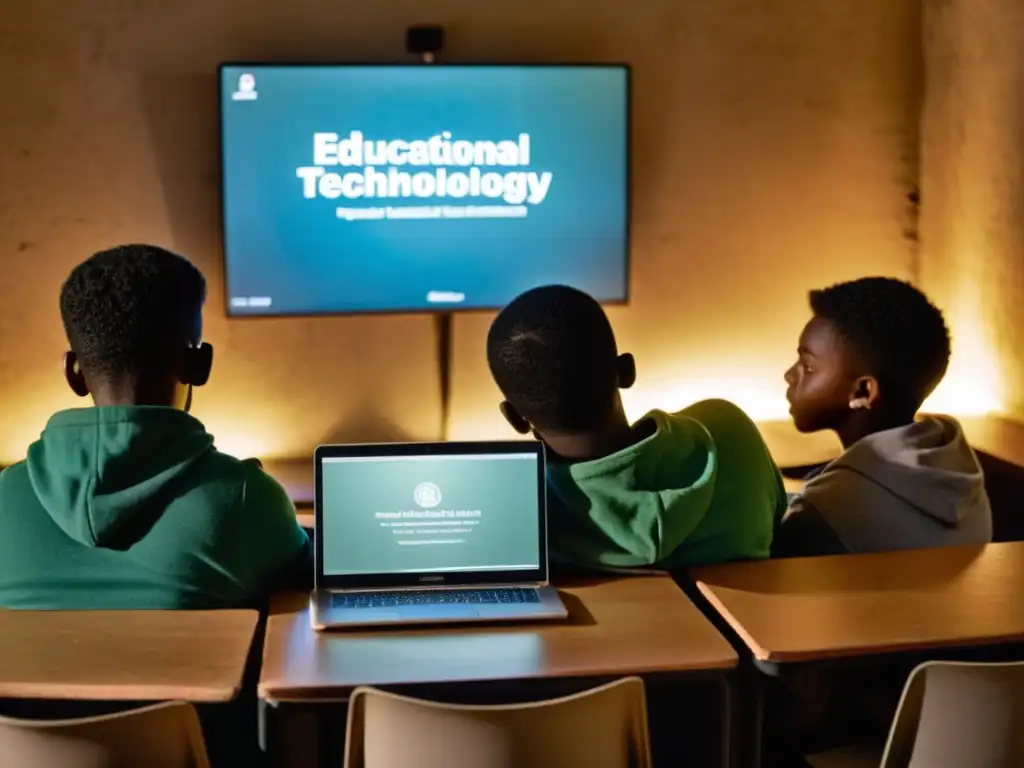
(128, 504)
(669, 491)
(872, 353)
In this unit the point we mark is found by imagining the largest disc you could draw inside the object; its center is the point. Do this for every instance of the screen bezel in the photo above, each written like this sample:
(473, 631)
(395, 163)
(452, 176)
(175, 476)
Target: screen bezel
(626, 69)
(431, 578)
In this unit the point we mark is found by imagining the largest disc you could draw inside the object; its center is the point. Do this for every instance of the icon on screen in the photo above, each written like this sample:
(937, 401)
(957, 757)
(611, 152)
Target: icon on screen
(427, 495)
(246, 90)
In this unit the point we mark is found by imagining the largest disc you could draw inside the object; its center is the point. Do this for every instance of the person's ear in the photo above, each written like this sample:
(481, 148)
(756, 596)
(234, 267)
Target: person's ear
(865, 394)
(74, 376)
(514, 418)
(625, 368)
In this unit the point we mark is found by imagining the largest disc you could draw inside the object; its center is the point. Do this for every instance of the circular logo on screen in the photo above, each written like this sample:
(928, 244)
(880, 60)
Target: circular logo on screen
(427, 495)
(246, 83)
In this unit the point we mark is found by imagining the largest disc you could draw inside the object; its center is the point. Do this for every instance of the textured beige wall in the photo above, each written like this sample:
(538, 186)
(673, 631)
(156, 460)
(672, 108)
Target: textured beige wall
(773, 152)
(972, 185)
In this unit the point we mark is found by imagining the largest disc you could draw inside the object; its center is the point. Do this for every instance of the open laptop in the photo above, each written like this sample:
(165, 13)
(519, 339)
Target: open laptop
(428, 533)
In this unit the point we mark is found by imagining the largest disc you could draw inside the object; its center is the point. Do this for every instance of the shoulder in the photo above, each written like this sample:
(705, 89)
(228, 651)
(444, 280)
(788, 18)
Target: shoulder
(730, 428)
(13, 470)
(244, 479)
(837, 488)
(718, 411)
(13, 475)
(863, 514)
(260, 489)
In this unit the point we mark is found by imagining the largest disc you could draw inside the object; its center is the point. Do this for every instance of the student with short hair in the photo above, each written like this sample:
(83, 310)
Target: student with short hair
(128, 504)
(671, 490)
(867, 360)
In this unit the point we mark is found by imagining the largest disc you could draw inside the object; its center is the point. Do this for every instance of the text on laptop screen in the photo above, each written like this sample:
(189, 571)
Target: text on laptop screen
(422, 514)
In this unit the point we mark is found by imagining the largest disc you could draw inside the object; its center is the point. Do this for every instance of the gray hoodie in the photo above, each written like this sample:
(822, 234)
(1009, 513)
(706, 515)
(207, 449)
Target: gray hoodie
(912, 487)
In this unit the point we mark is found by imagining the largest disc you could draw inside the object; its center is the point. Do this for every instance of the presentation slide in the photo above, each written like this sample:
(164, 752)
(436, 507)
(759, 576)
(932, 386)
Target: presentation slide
(404, 188)
(430, 514)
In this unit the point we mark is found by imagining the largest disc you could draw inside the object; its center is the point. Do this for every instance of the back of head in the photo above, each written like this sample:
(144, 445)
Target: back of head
(131, 310)
(898, 335)
(552, 353)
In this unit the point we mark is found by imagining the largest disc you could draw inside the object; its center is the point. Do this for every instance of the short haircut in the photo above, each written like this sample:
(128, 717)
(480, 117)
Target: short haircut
(896, 331)
(552, 353)
(125, 309)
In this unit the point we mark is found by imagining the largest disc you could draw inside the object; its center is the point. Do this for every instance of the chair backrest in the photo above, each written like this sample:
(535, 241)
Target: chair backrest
(959, 715)
(604, 727)
(158, 736)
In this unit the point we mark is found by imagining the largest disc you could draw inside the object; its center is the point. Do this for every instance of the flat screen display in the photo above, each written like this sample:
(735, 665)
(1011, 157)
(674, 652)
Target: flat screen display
(430, 514)
(422, 188)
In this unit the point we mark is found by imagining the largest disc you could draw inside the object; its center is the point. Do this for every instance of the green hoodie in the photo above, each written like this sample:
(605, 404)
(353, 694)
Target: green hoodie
(133, 507)
(702, 489)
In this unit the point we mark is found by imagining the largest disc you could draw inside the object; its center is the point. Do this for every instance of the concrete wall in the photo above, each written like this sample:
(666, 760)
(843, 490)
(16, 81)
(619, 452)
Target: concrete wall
(773, 153)
(972, 186)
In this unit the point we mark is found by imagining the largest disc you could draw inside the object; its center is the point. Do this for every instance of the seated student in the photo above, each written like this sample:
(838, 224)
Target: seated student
(128, 504)
(669, 491)
(872, 353)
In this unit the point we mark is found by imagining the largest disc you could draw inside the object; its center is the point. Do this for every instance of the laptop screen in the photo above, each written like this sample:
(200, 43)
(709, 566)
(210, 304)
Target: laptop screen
(422, 514)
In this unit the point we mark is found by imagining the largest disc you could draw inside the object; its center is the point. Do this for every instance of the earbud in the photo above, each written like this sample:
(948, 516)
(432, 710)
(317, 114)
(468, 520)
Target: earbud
(197, 365)
(859, 403)
(512, 416)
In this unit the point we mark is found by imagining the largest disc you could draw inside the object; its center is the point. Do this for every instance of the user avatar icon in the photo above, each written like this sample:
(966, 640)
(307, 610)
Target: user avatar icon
(427, 495)
(246, 90)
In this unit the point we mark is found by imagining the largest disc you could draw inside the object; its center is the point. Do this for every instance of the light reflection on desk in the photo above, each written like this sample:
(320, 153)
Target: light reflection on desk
(414, 658)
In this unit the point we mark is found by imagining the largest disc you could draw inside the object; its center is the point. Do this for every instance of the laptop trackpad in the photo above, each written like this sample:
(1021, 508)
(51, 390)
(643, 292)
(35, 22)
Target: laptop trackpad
(427, 612)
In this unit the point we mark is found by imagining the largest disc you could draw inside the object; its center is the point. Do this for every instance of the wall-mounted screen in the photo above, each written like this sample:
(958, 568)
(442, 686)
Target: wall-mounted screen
(425, 187)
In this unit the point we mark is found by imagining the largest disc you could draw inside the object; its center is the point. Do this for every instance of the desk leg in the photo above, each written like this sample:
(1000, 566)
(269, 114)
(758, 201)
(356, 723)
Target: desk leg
(268, 733)
(750, 751)
(732, 733)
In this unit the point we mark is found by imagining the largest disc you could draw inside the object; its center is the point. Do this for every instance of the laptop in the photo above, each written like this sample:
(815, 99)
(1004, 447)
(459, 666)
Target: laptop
(431, 533)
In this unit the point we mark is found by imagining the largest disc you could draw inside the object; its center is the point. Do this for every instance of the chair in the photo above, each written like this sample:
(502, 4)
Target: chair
(959, 715)
(159, 736)
(605, 727)
(952, 715)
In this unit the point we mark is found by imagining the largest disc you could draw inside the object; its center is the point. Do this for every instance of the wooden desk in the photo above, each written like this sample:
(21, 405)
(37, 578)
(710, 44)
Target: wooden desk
(196, 656)
(617, 627)
(790, 448)
(792, 485)
(998, 437)
(810, 609)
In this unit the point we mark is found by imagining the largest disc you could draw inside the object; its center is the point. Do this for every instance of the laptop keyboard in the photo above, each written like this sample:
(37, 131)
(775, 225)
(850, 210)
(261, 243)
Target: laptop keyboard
(501, 595)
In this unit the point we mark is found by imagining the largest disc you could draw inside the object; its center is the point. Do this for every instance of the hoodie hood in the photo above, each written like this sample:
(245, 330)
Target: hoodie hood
(701, 489)
(95, 469)
(635, 506)
(927, 464)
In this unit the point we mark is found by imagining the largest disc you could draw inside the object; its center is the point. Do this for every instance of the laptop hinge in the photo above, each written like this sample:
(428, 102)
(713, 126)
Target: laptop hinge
(440, 587)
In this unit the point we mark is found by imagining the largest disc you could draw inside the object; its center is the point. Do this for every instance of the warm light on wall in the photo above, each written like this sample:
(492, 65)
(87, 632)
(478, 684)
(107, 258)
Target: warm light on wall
(959, 396)
(967, 390)
(241, 429)
(973, 384)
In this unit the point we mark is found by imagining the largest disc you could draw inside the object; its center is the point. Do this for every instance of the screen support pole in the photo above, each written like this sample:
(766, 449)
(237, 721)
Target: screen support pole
(443, 331)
